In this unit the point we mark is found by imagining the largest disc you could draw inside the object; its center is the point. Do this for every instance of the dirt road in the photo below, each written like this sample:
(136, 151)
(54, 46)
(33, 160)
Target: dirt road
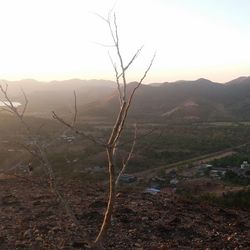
(196, 160)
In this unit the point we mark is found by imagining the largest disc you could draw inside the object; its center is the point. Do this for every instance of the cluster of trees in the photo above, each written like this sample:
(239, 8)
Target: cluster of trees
(233, 160)
(182, 142)
(233, 178)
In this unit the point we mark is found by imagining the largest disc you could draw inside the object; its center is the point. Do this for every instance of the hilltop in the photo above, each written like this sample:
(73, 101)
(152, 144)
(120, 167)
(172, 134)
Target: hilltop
(32, 218)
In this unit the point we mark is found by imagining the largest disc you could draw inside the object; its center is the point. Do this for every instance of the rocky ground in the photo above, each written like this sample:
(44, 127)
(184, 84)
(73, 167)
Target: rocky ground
(32, 218)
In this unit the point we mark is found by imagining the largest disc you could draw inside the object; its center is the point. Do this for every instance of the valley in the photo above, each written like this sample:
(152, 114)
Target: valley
(186, 155)
(124, 125)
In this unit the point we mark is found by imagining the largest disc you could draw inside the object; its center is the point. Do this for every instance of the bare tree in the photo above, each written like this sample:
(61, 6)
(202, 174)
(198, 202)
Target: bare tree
(125, 104)
(34, 146)
(125, 100)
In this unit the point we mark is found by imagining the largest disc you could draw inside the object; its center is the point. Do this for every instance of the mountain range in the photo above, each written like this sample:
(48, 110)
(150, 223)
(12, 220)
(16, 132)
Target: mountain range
(196, 100)
(185, 100)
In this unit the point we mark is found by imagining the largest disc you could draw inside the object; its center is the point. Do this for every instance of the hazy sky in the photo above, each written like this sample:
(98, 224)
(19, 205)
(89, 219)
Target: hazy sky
(57, 39)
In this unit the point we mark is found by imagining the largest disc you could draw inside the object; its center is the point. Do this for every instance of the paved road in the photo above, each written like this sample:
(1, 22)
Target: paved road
(195, 160)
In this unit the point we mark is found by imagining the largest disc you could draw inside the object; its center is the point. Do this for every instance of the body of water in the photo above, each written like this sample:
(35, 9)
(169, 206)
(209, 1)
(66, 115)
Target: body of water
(16, 104)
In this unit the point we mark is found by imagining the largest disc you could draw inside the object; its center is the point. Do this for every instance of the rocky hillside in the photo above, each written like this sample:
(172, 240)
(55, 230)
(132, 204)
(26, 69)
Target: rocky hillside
(31, 218)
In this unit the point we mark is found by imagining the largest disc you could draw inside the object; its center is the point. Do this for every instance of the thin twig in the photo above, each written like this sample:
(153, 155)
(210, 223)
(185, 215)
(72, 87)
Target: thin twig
(105, 45)
(5, 110)
(75, 112)
(79, 132)
(117, 76)
(133, 58)
(125, 163)
(120, 59)
(25, 103)
(127, 105)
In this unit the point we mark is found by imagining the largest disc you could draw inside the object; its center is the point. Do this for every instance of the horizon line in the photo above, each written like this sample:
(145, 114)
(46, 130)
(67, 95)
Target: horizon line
(95, 79)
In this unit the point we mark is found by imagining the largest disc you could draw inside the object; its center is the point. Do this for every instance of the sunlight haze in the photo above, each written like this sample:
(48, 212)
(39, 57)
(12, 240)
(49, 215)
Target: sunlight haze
(59, 39)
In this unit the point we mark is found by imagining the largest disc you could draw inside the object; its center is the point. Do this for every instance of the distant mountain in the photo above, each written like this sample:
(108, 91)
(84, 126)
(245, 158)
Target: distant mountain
(186, 100)
(156, 84)
(197, 100)
(240, 80)
(58, 95)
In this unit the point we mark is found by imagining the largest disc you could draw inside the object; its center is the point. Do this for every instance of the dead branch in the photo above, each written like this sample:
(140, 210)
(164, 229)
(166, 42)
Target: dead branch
(133, 58)
(118, 128)
(105, 45)
(33, 152)
(77, 131)
(75, 113)
(25, 103)
(72, 125)
(11, 107)
(126, 105)
(117, 76)
(37, 149)
(5, 110)
(125, 162)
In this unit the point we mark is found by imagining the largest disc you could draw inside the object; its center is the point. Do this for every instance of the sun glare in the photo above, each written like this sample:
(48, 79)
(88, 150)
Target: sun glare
(59, 39)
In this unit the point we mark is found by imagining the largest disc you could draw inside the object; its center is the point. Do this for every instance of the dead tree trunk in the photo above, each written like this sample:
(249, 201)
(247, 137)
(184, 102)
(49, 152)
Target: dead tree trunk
(111, 201)
(125, 104)
(125, 99)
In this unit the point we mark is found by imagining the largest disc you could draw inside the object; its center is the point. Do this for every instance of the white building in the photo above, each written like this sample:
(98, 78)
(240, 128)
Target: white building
(244, 165)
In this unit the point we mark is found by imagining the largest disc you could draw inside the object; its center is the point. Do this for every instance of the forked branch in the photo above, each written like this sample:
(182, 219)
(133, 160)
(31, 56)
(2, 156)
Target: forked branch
(77, 131)
(118, 128)
(10, 105)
